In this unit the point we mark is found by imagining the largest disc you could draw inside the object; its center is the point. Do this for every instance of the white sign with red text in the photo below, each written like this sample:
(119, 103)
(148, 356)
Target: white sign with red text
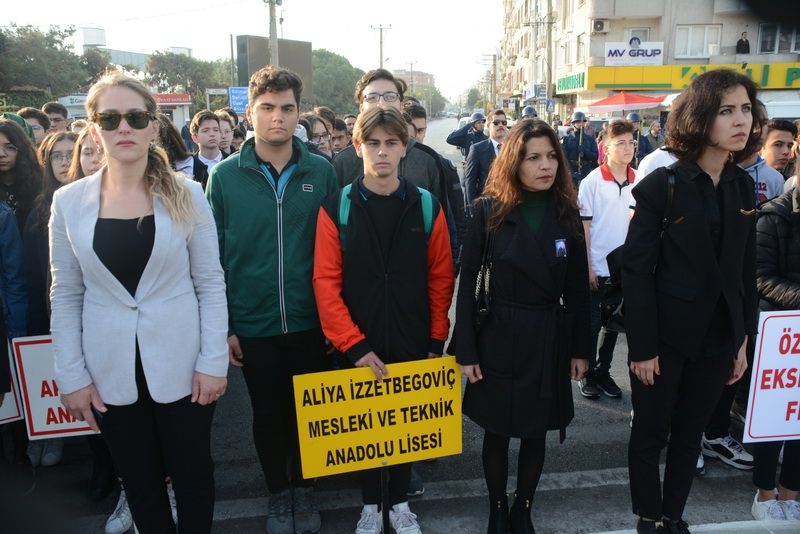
(11, 410)
(46, 417)
(773, 412)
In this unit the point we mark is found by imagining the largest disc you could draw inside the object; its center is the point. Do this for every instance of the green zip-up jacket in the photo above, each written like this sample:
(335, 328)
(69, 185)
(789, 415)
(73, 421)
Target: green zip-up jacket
(266, 243)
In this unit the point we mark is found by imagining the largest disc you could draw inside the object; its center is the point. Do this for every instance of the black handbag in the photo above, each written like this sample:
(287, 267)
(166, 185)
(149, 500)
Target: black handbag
(612, 303)
(482, 282)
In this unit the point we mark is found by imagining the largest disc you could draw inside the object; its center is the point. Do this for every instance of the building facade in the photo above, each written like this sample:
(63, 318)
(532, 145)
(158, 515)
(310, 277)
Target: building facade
(561, 55)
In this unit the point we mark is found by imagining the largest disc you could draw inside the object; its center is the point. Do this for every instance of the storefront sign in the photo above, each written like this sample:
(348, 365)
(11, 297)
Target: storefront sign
(634, 52)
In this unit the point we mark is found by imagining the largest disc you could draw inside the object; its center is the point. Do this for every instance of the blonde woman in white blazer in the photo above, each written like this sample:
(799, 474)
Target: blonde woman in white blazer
(139, 316)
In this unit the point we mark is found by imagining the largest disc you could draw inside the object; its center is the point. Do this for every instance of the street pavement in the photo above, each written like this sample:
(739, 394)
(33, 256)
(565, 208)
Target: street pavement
(584, 488)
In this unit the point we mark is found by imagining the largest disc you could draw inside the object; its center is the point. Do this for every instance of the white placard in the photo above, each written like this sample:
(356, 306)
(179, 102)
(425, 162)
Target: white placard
(46, 417)
(11, 410)
(773, 411)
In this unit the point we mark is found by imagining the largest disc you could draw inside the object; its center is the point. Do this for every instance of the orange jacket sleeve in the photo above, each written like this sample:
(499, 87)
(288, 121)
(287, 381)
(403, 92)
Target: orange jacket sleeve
(334, 316)
(441, 282)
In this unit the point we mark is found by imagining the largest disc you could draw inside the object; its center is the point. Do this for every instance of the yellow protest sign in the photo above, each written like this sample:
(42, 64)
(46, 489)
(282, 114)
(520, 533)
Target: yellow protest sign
(348, 421)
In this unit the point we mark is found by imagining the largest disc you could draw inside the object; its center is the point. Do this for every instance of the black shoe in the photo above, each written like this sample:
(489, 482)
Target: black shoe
(102, 482)
(643, 526)
(520, 517)
(674, 526)
(589, 389)
(607, 385)
(498, 517)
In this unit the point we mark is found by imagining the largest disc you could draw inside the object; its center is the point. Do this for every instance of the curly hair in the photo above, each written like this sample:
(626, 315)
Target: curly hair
(694, 111)
(26, 173)
(274, 80)
(504, 187)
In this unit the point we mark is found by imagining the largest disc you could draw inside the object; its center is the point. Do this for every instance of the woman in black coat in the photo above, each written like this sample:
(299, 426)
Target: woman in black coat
(536, 336)
(690, 298)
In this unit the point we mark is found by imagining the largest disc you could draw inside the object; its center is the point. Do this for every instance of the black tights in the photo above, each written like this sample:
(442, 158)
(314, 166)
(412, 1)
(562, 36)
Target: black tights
(495, 465)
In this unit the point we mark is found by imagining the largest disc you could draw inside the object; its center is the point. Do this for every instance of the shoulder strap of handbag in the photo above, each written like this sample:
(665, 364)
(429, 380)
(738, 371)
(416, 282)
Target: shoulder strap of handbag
(484, 274)
(670, 194)
(344, 211)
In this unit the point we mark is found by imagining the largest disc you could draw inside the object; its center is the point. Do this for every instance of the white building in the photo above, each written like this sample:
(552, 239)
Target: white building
(574, 52)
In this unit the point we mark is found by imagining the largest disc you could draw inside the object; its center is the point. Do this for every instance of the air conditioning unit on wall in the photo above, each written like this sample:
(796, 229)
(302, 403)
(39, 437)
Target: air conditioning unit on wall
(600, 26)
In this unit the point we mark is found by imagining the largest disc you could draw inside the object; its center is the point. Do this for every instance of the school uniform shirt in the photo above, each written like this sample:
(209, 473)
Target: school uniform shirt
(606, 203)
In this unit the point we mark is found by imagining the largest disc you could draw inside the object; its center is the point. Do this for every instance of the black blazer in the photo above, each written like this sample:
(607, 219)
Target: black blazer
(480, 158)
(672, 285)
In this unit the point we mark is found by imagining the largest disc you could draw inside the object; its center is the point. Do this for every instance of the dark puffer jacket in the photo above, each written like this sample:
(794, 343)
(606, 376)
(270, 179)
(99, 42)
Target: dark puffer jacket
(778, 253)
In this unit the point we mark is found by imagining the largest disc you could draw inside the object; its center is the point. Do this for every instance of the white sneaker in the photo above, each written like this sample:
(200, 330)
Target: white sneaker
(371, 521)
(121, 520)
(173, 504)
(791, 509)
(403, 520)
(700, 466)
(729, 451)
(767, 510)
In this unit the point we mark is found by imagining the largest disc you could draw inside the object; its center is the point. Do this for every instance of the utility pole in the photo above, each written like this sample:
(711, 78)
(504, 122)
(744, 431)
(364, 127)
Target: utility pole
(273, 32)
(411, 66)
(549, 56)
(380, 30)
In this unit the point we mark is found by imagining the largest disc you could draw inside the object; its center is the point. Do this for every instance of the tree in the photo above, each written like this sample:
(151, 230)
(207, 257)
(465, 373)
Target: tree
(334, 81)
(473, 97)
(96, 62)
(430, 97)
(40, 59)
(179, 73)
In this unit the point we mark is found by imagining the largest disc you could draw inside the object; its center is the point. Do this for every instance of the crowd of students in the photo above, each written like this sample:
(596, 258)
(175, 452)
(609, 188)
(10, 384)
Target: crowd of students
(323, 242)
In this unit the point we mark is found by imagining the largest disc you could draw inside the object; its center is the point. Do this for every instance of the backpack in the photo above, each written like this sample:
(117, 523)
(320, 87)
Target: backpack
(344, 211)
(612, 303)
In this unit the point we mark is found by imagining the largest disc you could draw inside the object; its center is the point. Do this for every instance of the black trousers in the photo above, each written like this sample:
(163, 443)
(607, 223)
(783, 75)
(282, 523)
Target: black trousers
(603, 348)
(672, 413)
(148, 441)
(269, 365)
(766, 454)
(399, 478)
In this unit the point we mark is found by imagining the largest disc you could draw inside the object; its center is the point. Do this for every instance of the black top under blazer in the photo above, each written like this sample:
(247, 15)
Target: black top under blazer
(672, 285)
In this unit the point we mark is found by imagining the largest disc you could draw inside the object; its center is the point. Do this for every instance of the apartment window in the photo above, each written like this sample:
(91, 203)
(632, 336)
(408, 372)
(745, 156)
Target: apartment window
(642, 33)
(697, 40)
(580, 57)
(775, 39)
(567, 47)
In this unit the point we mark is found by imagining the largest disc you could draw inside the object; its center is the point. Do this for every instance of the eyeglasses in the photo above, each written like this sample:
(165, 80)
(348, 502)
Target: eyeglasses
(623, 144)
(498, 123)
(35, 127)
(9, 150)
(59, 157)
(109, 120)
(321, 137)
(389, 96)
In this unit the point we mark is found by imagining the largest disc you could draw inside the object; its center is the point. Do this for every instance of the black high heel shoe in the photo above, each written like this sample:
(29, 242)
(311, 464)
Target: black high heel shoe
(520, 517)
(498, 516)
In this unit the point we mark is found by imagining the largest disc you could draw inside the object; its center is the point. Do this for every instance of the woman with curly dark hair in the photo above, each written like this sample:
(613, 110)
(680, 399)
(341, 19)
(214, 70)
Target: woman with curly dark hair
(536, 335)
(689, 284)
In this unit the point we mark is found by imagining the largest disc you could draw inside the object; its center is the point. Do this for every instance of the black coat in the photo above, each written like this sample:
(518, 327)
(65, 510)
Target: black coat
(479, 161)
(539, 320)
(672, 285)
(778, 252)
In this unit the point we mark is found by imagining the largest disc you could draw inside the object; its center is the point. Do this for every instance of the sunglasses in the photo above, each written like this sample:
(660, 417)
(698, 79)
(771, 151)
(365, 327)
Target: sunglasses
(498, 123)
(109, 120)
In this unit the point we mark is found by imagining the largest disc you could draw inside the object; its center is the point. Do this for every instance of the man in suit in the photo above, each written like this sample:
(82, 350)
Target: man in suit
(482, 154)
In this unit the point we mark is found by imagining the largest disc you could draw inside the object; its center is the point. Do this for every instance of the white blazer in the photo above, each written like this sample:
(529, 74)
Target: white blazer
(179, 313)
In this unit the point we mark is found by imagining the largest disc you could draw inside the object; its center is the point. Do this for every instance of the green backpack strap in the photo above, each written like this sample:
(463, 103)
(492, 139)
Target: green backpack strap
(427, 210)
(344, 212)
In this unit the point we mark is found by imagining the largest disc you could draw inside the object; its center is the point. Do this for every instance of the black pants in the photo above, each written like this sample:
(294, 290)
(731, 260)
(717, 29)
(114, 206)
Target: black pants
(399, 477)
(600, 362)
(148, 441)
(269, 365)
(766, 455)
(672, 413)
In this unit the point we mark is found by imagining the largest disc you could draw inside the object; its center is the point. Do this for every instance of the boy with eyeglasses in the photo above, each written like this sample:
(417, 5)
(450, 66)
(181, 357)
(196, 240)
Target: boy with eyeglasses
(604, 197)
(481, 156)
(38, 121)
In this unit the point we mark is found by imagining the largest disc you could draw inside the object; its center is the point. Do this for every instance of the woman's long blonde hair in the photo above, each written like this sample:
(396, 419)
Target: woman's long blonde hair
(161, 181)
